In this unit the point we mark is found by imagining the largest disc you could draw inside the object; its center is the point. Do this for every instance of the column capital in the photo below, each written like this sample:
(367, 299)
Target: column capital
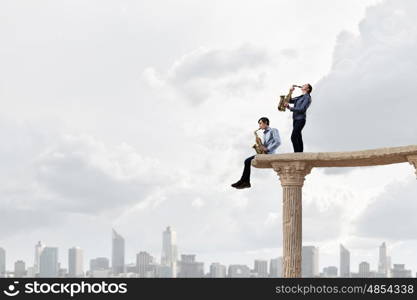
(412, 159)
(292, 173)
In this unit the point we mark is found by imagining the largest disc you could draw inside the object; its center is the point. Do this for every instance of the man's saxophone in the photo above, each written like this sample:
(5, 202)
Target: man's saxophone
(284, 100)
(258, 144)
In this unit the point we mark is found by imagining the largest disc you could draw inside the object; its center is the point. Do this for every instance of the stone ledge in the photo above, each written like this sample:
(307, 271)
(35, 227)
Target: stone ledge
(372, 157)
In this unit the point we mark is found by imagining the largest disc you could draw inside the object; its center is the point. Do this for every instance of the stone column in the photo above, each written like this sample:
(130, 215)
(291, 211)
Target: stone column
(292, 175)
(412, 159)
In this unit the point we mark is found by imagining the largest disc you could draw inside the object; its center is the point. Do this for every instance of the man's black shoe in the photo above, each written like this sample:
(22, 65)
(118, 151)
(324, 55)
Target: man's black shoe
(236, 184)
(243, 185)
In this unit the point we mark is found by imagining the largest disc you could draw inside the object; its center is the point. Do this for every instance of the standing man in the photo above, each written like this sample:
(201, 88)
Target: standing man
(299, 110)
(270, 144)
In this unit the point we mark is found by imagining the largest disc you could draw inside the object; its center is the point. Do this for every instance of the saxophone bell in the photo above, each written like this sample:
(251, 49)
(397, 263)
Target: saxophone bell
(285, 99)
(259, 148)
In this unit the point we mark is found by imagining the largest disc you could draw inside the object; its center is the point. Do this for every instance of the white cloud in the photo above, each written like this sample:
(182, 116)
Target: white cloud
(323, 222)
(87, 176)
(290, 53)
(53, 176)
(206, 72)
(366, 101)
(197, 203)
(391, 216)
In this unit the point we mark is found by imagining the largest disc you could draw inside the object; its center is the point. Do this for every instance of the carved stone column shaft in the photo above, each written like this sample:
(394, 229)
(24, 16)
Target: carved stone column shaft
(292, 177)
(292, 231)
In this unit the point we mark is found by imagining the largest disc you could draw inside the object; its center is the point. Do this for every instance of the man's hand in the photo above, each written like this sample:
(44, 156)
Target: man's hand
(265, 149)
(287, 105)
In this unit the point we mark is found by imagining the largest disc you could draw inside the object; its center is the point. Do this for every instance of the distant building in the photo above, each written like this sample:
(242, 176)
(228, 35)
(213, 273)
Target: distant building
(364, 270)
(99, 264)
(169, 254)
(389, 266)
(238, 271)
(118, 253)
(151, 270)
(128, 274)
(189, 268)
(383, 261)
(132, 269)
(38, 251)
(75, 262)
(261, 268)
(19, 268)
(217, 270)
(145, 265)
(310, 262)
(164, 271)
(330, 271)
(99, 267)
(2, 262)
(62, 272)
(30, 272)
(104, 273)
(399, 271)
(344, 262)
(275, 267)
(48, 266)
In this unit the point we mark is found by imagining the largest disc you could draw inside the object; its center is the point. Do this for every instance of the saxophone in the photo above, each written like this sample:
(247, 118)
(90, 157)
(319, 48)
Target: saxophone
(258, 144)
(284, 100)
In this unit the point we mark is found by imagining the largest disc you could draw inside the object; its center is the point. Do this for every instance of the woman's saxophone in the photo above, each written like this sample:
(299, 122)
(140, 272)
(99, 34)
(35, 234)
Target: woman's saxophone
(258, 144)
(284, 100)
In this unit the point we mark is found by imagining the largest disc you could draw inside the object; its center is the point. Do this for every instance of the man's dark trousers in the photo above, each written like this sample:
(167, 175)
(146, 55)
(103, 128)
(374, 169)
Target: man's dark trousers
(246, 170)
(296, 137)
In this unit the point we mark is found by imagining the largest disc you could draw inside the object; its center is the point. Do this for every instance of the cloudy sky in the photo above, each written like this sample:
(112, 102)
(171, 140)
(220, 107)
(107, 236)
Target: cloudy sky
(136, 115)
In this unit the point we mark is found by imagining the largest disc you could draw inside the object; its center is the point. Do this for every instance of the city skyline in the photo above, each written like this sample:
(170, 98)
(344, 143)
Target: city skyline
(46, 261)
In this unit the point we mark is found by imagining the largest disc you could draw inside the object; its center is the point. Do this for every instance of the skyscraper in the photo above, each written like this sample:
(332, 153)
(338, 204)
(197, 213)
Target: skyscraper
(118, 253)
(75, 262)
(383, 261)
(344, 262)
(38, 250)
(48, 263)
(2, 262)
(169, 254)
(261, 268)
(310, 261)
(275, 267)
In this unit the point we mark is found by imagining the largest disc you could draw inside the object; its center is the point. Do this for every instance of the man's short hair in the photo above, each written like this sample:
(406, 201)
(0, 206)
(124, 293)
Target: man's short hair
(310, 88)
(264, 120)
